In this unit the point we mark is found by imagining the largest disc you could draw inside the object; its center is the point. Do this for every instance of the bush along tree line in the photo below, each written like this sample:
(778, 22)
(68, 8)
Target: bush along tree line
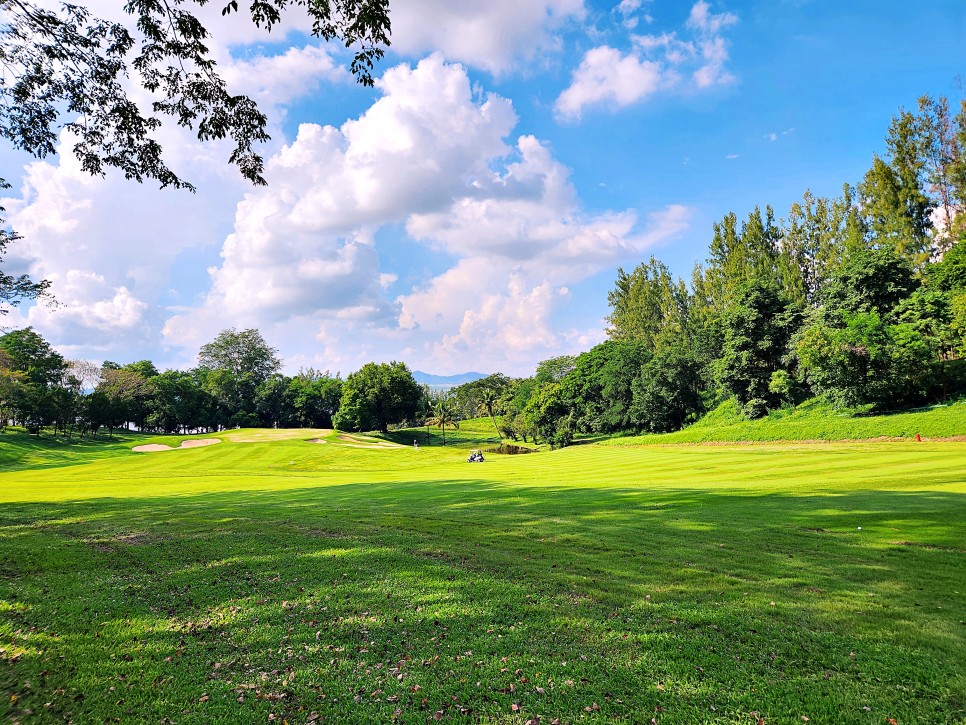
(859, 300)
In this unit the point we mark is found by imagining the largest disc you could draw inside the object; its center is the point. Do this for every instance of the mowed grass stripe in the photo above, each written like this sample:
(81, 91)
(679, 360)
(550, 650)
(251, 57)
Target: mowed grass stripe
(288, 464)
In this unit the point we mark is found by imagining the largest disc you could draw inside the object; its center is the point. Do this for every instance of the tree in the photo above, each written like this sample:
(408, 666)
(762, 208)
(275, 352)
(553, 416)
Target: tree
(376, 395)
(240, 353)
(644, 302)
(757, 331)
(86, 372)
(488, 400)
(737, 256)
(468, 395)
(317, 397)
(599, 387)
(126, 393)
(555, 368)
(69, 63)
(850, 364)
(14, 290)
(11, 383)
(233, 366)
(443, 414)
(870, 280)
(667, 391)
(179, 403)
(513, 402)
(957, 307)
(274, 402)
(893, 194)
(819, 234)
(949, 274)
(941, 150)
(29, 353)
(545, 412)
(145, 368)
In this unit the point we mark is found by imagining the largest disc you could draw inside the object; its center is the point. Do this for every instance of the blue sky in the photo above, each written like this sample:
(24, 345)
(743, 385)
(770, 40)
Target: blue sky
(470, 212)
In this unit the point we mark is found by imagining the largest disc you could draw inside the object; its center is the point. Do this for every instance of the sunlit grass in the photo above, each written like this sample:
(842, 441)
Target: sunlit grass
(285, 578)
(812, 421)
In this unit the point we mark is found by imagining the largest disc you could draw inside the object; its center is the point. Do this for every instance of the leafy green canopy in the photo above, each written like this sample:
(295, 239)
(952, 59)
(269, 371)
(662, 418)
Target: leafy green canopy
(376, 395)
(15, 289)
(69, 70)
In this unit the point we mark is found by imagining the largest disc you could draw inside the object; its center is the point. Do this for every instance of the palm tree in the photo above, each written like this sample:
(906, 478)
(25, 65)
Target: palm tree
(444, 414)
(488, 399)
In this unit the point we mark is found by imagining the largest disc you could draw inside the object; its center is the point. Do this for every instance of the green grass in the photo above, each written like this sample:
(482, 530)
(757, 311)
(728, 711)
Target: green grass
(19, 450)
(811, 421)
(257, 582)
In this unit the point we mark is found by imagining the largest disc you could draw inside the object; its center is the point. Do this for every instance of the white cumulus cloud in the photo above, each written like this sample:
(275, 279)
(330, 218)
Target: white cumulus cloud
(607, 76)
(432, 157)
(498, 36)
(611, 78)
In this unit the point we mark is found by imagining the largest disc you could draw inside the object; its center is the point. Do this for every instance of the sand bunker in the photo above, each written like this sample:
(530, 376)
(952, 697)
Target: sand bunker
(156, 447)
(315, 440)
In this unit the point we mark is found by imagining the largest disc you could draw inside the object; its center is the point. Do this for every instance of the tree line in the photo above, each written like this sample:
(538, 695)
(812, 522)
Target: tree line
(859, 300)
(236, 383)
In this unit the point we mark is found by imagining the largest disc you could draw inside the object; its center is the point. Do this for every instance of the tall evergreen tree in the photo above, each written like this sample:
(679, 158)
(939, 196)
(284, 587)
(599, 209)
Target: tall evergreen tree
(644, 302)
(893, 192)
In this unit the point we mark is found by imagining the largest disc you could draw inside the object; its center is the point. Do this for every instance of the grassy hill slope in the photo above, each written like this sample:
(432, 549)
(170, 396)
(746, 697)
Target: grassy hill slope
(812, 421)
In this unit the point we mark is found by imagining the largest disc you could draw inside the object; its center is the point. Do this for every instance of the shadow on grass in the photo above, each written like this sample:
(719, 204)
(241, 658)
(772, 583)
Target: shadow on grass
(356, 601)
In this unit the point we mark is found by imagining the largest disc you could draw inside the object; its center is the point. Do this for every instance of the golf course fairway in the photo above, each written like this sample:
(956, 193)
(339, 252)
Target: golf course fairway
(274, 579)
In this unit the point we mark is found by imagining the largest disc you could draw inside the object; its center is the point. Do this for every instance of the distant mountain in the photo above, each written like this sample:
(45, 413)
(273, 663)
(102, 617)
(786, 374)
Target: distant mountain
(442, 382)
